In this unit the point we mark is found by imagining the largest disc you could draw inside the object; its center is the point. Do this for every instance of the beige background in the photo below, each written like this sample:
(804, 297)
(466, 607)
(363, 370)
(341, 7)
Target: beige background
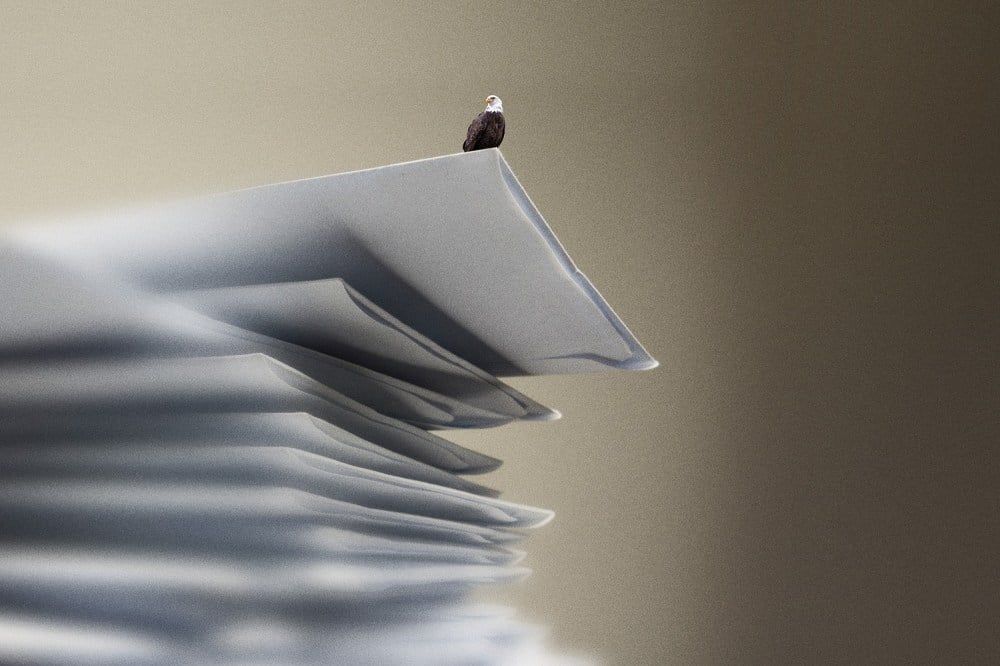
(792, 206)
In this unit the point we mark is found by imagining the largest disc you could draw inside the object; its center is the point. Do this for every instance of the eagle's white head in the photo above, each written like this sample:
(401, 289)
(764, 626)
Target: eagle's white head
(494, 103)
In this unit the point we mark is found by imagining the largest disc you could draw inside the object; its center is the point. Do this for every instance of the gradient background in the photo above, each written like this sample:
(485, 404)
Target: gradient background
(793, 206)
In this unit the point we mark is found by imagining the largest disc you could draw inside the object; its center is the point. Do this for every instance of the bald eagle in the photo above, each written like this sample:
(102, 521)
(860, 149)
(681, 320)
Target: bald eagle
(486, 131)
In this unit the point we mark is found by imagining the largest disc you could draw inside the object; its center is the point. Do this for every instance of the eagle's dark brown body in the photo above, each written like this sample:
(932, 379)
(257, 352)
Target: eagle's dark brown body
(486, 131)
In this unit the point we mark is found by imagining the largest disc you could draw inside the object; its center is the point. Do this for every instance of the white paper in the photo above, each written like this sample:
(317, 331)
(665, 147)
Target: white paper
(452, 246)
(253, 382)
(333, 318)
(276, 467)
(296, 430)
(84, 315)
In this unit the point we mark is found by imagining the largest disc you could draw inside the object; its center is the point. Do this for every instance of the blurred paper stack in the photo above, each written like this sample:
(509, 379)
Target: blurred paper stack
(217, 420)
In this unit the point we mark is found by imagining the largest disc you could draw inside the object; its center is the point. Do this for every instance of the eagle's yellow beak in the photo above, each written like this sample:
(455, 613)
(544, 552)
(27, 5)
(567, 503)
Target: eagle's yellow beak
(487, 100)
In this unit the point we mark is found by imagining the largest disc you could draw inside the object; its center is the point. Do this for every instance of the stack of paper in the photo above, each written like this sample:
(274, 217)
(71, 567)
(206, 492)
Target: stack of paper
(220, 420)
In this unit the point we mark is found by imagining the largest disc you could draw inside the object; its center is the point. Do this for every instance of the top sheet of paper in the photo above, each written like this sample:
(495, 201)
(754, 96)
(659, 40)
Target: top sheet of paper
(451, 246)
